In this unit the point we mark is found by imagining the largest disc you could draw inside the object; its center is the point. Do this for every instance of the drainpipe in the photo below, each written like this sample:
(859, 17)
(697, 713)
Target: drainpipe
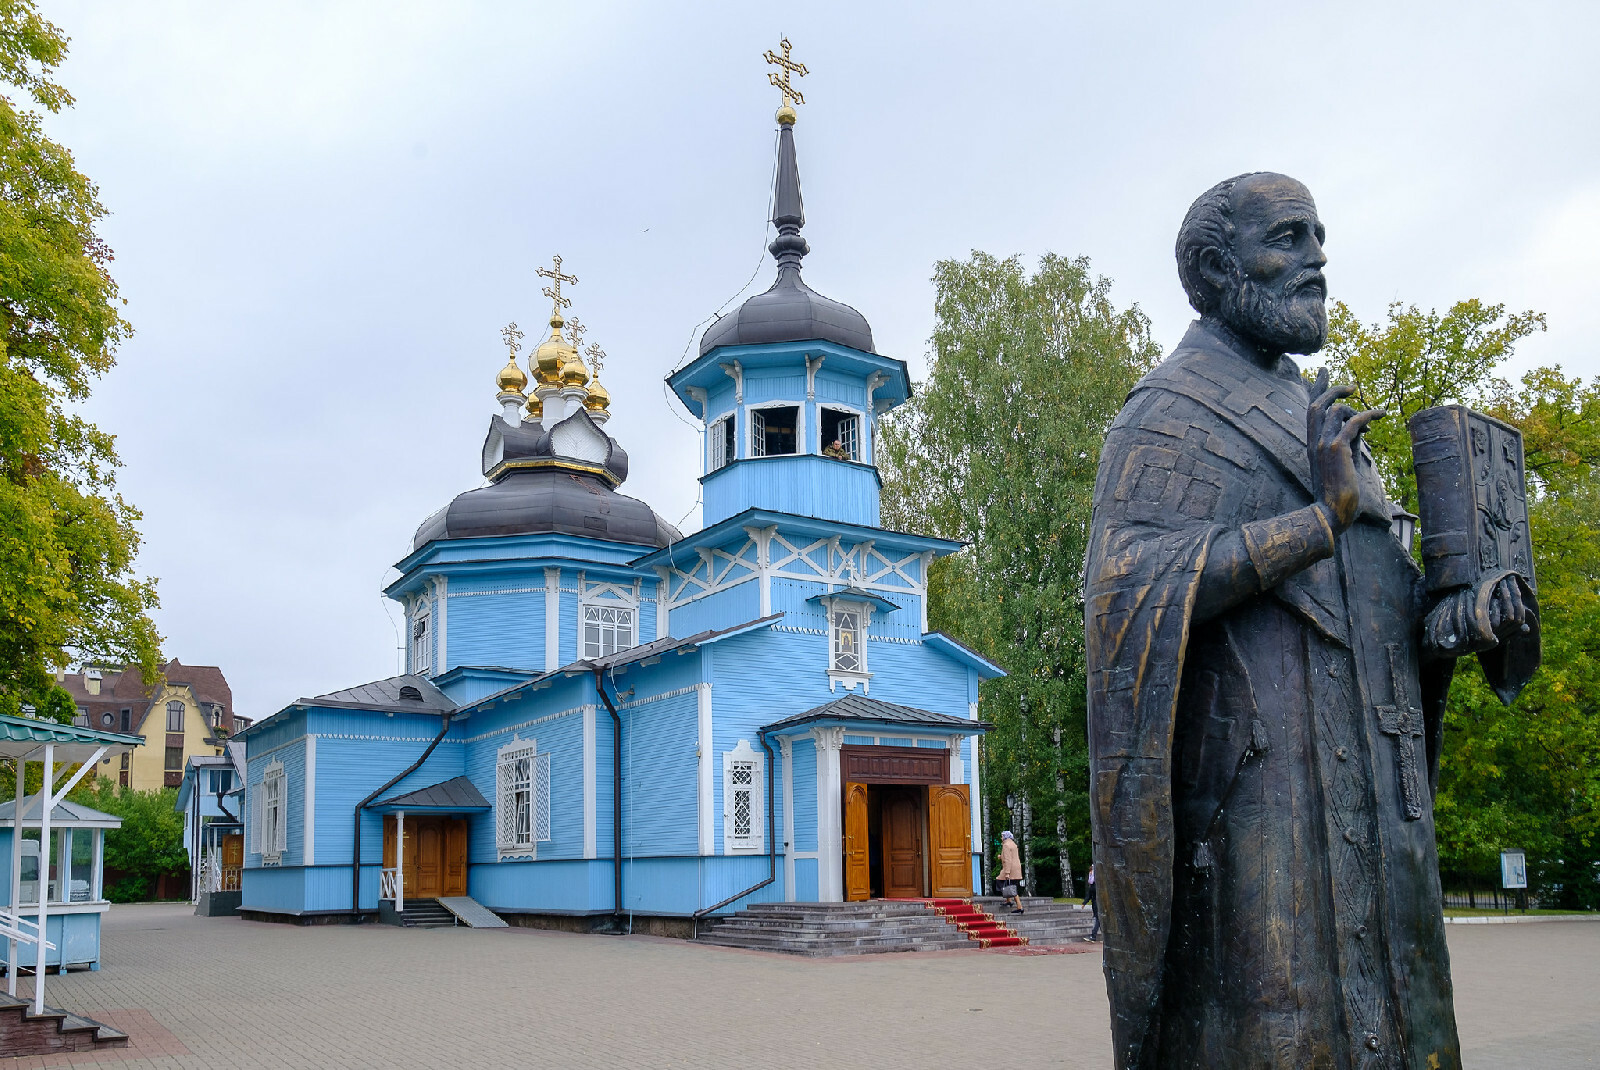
(355, 858)
(616, 793)
(772, 844)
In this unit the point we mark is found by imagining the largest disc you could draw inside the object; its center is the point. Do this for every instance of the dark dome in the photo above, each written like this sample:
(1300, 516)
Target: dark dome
(790, 311)
(535, 501)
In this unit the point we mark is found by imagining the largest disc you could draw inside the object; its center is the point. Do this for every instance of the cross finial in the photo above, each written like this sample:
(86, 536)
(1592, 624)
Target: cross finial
(597, 357)
(554, 291)
(791, 95)
(513, 338)
(577, 330)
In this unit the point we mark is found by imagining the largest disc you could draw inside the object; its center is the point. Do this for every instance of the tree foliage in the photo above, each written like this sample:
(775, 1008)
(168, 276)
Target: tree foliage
(149, 843)
(999, 448)
(67, 539)
(1528, 776)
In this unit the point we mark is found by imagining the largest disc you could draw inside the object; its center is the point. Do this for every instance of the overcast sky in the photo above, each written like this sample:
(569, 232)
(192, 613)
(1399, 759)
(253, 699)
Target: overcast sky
(324, 212)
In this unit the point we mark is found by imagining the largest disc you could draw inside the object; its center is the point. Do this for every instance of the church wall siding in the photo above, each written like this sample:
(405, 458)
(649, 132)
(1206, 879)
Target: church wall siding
(805, 798)
(567, 886)
(848, 389)
(275, 889)
(760, 387)
(497, 629)
(660, 769)
(806, 485)
(348, 770)
(720, 610)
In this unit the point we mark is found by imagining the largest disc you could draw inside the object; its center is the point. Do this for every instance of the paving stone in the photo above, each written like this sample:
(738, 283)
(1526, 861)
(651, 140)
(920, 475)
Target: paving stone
(226, 993)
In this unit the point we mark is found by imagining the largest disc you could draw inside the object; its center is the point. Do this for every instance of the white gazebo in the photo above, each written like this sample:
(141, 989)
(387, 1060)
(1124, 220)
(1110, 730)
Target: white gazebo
(58, 747)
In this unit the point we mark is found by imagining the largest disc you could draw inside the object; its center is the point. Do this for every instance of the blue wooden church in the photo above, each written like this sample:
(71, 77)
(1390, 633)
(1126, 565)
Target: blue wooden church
(603, 716)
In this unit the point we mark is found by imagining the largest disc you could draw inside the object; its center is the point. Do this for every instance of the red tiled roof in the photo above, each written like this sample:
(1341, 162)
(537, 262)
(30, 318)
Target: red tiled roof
(123, 689)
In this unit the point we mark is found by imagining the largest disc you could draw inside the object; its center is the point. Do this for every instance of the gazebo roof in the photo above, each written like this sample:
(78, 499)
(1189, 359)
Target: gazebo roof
(64, 814)
(25, 737)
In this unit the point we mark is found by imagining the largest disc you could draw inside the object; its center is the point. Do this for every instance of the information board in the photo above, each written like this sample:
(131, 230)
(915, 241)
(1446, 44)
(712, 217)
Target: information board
(1513, 870)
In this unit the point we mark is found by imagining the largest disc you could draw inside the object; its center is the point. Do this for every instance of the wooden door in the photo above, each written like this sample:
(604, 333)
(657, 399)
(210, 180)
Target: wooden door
(455, 856)
(902, 844)
(857, 862)
(232, 860)
(430, 859)
(950, 840)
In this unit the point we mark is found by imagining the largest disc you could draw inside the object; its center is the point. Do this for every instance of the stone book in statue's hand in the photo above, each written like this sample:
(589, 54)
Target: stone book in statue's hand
(1476, 554)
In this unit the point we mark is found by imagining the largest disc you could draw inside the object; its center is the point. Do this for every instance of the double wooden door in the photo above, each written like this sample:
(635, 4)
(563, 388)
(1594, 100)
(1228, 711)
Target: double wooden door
(922, 846)
(434, 856)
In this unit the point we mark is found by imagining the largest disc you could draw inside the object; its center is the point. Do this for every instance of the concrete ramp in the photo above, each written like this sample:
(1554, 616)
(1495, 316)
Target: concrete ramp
(471, 912)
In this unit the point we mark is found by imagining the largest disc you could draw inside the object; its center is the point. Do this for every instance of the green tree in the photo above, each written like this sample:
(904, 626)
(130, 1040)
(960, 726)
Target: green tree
(67, 539)
(1527, 776)
(999, 448)
(149, 843)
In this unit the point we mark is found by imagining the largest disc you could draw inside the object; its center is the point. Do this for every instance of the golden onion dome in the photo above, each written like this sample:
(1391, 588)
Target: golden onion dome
(511, 379)
(599, 400)
(535, 408)
(573, 372)
(552, 355)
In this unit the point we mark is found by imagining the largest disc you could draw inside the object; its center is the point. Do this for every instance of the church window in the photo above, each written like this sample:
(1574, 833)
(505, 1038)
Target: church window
(848, 655)
(774, 430)
(522, 799)
(721, 443)
(606, 629)
(743, 800)
(175, 716)
(421, 644)
(272, 817)
(845, 427)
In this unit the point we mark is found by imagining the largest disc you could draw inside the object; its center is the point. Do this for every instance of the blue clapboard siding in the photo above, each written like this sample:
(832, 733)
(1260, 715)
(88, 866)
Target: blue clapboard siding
(660, 766)
(736, 605)
(76, 938)
(571, 887)
(774, 385)
(804, 484)
(849, 389)
(805, 799)
(807, 882)
(276, 890)
(496, 629)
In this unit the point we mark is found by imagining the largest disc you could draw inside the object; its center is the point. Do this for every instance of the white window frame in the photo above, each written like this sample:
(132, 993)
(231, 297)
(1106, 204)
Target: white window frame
(744, 778)
(717, 443)
(521, 799)
(858, 451)
(836, 673)
(421, 646)
(272, 817)
(753, 416)
(598, 606)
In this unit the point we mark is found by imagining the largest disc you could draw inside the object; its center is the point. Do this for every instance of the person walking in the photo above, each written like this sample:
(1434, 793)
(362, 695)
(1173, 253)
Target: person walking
(1010, 872)
(1093, 906)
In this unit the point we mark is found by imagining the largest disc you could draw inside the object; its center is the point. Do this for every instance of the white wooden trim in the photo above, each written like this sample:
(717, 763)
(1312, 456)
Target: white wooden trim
(830, 834)
(861, 428)
(552, 619)
(310, 815)
(975, 796)
(799, 426)
(786, 747)
(441, 616)
(590, 820)
(708, 828)
(663, 600)
(756, 841)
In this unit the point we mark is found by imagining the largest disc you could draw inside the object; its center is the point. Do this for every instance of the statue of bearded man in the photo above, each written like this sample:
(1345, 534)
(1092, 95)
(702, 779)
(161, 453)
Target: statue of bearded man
(1267, 676)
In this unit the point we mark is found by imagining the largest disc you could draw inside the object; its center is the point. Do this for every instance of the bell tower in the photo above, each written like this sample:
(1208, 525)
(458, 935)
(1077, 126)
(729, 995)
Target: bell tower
(789, 387)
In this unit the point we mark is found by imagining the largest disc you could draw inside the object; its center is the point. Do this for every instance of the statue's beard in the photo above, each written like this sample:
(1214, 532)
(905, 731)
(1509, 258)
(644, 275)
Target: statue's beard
(1292, 319)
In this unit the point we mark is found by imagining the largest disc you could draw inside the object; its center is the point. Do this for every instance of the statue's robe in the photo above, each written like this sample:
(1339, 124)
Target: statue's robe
(1262, 781)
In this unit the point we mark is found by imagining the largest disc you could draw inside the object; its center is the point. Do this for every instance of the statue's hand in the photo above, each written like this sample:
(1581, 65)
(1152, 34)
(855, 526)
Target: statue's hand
(1331, 433)
(1480, 617)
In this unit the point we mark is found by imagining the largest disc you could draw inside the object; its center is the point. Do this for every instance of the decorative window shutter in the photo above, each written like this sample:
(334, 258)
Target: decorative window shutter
(511, 838)
(281, 831)
(254, 824)
(541, 797)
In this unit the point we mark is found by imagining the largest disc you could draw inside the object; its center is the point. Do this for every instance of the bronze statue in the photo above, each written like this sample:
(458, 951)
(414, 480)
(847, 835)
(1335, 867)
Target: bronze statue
(1267, 676)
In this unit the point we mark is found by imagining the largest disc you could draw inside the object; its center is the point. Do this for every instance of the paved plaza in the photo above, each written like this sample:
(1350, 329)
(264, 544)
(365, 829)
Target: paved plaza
(198, 992)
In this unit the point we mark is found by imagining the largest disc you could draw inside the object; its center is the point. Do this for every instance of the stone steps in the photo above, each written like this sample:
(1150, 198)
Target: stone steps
(426, 914)
(1044, 922)
(821, 929)
(53, 1032)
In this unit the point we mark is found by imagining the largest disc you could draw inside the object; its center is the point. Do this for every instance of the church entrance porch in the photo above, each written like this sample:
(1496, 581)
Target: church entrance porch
(906, 829)
(433, 862)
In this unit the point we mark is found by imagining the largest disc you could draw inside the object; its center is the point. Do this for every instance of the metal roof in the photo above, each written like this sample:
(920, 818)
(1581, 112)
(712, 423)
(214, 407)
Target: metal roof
(458, 793)
(386, 695)
(861, 708)
(23, 737)
(857, 594)
(64, 814)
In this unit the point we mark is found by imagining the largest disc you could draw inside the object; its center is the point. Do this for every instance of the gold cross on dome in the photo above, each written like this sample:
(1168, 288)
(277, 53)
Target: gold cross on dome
(791, 95)
(557, 278)
(597, 357)
(513, 338)
(577, 330)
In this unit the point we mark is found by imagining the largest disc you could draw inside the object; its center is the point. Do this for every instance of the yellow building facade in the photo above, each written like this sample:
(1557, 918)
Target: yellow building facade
(188, 713)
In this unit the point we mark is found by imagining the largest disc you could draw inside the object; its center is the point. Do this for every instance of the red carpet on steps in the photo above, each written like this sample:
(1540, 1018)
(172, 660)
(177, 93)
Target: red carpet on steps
(977, 924)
